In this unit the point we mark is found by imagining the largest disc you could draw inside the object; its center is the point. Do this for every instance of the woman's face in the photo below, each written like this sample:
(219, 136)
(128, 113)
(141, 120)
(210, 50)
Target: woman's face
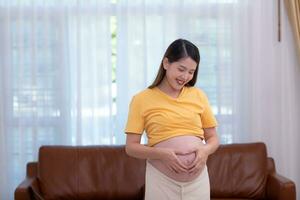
(180, 72)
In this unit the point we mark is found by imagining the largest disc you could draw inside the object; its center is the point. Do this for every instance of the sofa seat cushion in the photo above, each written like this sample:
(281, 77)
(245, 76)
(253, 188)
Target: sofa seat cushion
(238, 171)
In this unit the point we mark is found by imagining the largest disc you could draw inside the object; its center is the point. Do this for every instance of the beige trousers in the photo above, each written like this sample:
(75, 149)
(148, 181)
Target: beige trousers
(158, 186)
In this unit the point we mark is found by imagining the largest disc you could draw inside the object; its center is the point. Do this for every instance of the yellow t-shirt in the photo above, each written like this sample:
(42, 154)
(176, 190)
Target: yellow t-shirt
(163, 117)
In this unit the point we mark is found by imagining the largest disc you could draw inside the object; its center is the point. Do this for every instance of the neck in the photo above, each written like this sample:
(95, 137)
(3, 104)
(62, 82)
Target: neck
(166, 88)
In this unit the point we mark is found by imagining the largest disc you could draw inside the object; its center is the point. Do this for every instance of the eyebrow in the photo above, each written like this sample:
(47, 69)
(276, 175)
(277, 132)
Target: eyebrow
(186, 67)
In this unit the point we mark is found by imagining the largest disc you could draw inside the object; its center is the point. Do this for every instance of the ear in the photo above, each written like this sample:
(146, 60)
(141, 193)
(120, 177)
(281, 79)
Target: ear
(165, 63)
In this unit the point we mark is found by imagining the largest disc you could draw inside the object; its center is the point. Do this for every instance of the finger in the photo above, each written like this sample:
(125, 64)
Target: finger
(179, 152)
(200, 169)
(197, 168)
(194, 163)
(181, 169)
(175, 170)
(172, 169)
(181, 165)
(193, 168)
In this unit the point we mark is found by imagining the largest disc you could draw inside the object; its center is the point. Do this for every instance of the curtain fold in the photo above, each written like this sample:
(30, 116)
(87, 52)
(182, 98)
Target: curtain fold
(293, 10)
(55, 80)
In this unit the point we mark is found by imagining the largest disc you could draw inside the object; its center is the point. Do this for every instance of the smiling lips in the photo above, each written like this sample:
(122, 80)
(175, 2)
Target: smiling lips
(180, 82)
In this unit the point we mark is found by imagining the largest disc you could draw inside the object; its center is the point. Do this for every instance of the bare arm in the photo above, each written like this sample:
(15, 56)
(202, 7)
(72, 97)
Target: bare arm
(211, 139)
(135, 149)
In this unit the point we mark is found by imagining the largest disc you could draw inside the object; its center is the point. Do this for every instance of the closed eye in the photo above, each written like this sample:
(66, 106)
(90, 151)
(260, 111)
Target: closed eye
(181, 70)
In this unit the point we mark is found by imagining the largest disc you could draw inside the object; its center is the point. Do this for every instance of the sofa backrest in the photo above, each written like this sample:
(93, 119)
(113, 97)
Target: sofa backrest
(238, 171)
(106, 172)
(90, 172)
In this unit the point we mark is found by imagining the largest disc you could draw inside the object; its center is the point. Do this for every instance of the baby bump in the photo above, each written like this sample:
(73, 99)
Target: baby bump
(184, 144)
(187, 159)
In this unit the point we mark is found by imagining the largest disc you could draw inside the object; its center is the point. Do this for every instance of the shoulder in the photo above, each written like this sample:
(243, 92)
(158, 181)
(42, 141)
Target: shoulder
(196, 91)
(142, 95)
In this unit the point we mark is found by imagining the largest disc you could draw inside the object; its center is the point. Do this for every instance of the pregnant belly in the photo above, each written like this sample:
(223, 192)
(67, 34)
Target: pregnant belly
(184, 144)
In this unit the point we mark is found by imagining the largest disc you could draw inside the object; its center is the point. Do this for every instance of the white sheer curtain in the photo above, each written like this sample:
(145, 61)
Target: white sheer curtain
(267, 80)
(252, 80)
(55, 78)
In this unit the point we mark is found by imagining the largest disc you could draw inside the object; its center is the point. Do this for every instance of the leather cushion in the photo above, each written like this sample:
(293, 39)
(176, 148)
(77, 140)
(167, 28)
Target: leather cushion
(91, 172)
(238, 171)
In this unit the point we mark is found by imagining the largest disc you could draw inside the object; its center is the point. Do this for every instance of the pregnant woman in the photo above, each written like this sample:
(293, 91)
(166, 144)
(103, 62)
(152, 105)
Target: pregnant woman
(180, 127)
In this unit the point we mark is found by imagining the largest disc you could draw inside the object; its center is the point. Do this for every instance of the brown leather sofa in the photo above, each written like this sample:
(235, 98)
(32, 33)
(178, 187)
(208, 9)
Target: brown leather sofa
(237, 171)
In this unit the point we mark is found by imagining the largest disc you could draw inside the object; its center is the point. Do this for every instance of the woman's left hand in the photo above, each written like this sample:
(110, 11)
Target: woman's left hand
(203, 151)
(200, 160)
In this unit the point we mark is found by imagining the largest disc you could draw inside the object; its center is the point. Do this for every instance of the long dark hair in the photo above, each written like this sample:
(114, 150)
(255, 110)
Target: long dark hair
(177, 50)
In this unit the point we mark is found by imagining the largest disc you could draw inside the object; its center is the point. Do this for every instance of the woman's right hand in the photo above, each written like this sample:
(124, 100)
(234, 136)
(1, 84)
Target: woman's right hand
(171, 160)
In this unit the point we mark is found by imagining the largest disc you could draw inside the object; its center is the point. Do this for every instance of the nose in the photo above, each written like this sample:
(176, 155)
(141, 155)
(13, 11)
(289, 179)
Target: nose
(185, 76)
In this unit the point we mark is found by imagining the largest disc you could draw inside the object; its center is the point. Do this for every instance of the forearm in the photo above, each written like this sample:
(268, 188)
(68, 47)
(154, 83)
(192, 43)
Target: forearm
(144, 152)
(212, 145)
(211, 140)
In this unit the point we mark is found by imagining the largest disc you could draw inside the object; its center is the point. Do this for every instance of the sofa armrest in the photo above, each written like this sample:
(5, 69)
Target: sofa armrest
(23, 191)
(280, 188)
(28, 189)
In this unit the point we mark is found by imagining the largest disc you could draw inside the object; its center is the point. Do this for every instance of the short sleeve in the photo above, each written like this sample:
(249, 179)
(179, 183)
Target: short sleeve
(207, 117)
(135, 121)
